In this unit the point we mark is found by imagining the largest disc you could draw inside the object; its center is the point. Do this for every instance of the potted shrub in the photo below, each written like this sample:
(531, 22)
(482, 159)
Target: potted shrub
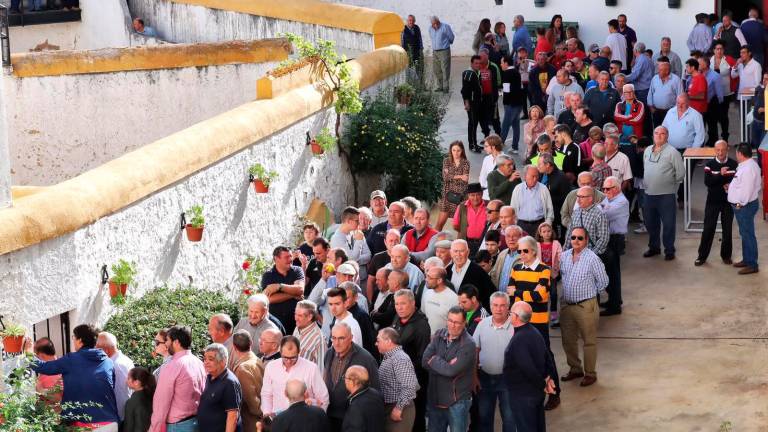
(13, 338)
(123, 274)
(196, 223)
(261, 178)
(404, 93)
(323, 142)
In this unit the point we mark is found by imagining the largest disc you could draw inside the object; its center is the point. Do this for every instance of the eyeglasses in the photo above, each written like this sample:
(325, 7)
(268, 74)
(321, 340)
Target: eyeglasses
(579, 238)
(523, 251)
(491, 211)
(290, 358)
(582, 196)
(450, 321)
(159, 342)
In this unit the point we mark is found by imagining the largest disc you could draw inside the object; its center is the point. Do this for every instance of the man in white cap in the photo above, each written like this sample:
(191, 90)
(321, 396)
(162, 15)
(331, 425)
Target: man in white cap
(378, 203)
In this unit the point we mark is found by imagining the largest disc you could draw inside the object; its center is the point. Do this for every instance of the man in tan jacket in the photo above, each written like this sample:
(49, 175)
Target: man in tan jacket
(249, 370)
(501, 270)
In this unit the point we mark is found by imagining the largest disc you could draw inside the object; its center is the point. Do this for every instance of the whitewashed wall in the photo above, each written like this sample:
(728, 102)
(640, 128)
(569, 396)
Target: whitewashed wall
(182, 23)
(62, 274)
(61, 126)
(651, 19)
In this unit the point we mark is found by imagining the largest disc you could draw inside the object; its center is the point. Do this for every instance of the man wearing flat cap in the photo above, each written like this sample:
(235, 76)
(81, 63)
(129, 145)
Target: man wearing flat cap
(470, 217)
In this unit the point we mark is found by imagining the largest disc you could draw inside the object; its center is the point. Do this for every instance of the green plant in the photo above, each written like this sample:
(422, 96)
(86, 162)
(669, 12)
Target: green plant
(195, 215)
(138, 322)
(325, 140)
(123, 273)
(402, 144)
(260, 173)
(13, 330)
(404, 90)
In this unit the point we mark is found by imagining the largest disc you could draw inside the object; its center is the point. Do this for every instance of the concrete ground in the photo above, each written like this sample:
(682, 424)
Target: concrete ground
(690, 350)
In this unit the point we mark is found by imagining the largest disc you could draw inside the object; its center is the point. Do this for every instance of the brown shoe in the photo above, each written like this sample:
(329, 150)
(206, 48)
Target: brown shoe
(552, 403)
(572, 376)
(727, 261)
(748, 270)
(740, 264)
(588, 381)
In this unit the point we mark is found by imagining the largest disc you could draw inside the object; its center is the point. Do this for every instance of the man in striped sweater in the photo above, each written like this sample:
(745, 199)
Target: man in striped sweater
(530, 282)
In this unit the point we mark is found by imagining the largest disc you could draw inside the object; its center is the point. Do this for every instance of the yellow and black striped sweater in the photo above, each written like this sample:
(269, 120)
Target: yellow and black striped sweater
(526, 283)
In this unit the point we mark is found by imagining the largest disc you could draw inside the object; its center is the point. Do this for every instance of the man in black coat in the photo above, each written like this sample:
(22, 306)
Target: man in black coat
(471, 93)
(366, 406)
(718, 172)
(462, 271)
(525, 366)
(299, 417)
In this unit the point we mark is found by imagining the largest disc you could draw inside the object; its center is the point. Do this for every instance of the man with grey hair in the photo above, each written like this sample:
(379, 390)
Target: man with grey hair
(619, 162)
(108, 343)
(220, 329)
(566, 211)
(219, 408)
(558, 185)
(521, 38)
(300, 417)
(395, 220)
(249, 371)
(642, 73)
(589, 215)
(309, 333)
(463, 271)
(502, 180)
(507, 258)
(664, 90)
(616, 209)
(602, 99)
(257, 319)
(665, 50)
(400, 257)
(442, 37)
(430, 263)
(532, 202)
(398, 381)
(600, 169)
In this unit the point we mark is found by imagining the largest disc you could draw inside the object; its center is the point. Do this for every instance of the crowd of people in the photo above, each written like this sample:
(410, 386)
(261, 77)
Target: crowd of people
(386, 323)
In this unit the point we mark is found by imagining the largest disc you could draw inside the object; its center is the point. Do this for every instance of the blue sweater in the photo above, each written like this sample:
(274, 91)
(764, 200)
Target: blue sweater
(89, 377)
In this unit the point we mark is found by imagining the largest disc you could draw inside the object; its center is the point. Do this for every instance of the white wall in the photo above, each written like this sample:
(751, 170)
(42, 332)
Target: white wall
(62, 274)
(104, 24)
(651, 19)
(61, 126)
(182, 23)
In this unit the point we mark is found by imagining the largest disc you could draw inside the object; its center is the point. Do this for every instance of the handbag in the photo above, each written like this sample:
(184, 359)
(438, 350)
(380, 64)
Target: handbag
(454, 198)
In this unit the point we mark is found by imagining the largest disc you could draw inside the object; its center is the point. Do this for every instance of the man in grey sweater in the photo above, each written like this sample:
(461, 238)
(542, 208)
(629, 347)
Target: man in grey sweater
(664, 171)
(562, 84)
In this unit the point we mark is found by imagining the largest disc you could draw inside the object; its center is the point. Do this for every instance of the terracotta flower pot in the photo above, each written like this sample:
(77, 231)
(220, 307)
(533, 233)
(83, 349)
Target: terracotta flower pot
(13, 344)
(113, 289)
(260, 187)
(404, 99)
(316, 149)
(194, 234)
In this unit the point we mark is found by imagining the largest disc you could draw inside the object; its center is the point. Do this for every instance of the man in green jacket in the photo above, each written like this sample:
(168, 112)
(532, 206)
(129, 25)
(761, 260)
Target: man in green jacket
(503, 179)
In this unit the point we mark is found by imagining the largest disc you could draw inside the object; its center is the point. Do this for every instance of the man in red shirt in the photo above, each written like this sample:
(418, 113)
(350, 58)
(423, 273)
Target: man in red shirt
(490, 77)
(697, 86)
(470, 217)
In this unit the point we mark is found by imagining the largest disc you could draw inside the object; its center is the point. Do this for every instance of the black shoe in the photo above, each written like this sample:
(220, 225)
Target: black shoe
(604, 305)
(699, 262)
(649, 253)
(669, 257)
(610, 312)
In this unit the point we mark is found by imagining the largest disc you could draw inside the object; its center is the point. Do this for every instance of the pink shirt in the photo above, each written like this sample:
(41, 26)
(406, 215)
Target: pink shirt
(177, 397)
(273, 398)
(475, 220)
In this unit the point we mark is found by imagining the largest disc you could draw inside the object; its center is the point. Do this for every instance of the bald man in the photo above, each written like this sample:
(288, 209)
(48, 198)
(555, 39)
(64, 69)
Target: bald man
(718, 173)
(366, 406)
(299, 417)
(108, 343)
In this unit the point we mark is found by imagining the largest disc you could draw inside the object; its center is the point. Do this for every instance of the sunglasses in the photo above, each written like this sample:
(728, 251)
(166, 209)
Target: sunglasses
(579, 238)
(523, 251)
(608, 188)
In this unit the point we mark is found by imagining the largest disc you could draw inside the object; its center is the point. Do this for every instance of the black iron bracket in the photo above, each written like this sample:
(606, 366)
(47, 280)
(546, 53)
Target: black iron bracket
(183, 221)
(104, 274)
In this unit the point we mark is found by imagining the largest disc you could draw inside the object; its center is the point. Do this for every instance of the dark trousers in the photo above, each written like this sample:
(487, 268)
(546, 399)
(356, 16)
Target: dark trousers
(722, 116)
(711, 212)
(493, 389)
(335, 424)
(642, 96)
(473, 118)
(528, 412)
(420, 403)
(489, 115)
(658, 117)
(660, 211)
(612, 260)
(553, 294)
(530, 227)
(710, 119)
(552, 372)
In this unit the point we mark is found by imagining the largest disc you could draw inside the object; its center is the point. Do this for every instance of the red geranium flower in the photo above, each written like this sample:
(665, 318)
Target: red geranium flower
(247, 292)
(246, 265)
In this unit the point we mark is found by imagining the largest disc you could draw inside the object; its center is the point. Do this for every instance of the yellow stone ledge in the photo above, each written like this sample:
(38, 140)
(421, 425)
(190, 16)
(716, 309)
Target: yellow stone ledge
(165, 56)
(59, 209)
(384, 26)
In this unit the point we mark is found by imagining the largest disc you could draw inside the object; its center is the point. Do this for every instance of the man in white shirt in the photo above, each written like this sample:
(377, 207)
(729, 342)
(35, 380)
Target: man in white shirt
(618, 161)
(748, 71)
(400, 260)
(617, 43)
(437, 299)
(336, 299)
(107, 342)
(743, 192)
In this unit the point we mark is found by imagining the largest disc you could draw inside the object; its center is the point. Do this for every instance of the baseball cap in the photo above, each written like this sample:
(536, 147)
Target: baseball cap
(443, 244)
(595, 48)
(378, 194)
(346, 269)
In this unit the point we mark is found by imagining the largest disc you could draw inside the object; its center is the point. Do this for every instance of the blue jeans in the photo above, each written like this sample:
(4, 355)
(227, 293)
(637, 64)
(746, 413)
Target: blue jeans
(529, 413)
(745, 217)
(456, 416)
(185, 426)
(660, 211)
(511, 118)
(493, 387)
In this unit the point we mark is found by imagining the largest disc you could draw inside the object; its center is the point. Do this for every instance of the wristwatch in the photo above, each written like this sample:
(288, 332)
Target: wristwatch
(280, 288)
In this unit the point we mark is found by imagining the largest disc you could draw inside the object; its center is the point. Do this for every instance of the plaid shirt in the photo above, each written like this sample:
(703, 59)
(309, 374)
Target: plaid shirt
(583, 279)
(398, 378)
(596, 224)
(600, 172)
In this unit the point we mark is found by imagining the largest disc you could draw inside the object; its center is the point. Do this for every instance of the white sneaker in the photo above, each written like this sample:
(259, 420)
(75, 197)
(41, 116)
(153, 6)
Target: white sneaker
(640, 230)
(514, 151)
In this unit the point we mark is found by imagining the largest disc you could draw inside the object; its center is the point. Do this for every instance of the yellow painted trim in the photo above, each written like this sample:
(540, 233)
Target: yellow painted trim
(22, 191)
(384, 26)
(70, 205)
(269, 86)
(165, 56)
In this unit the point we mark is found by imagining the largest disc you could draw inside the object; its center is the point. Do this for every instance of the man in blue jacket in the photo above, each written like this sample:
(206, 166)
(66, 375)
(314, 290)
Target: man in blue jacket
(89, 378)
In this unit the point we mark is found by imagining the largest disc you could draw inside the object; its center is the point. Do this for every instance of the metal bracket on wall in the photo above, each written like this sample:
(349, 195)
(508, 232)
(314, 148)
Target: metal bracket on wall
(104, 274)
(183, 221)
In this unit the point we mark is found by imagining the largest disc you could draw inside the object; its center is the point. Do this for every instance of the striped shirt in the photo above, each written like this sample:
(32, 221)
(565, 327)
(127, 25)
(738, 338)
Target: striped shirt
(583, 279)
(525, 281)
(312, 343)
(397, 378)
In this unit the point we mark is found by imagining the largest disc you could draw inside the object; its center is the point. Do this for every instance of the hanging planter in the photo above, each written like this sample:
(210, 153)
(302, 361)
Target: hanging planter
(13, 338)
(261, 178)
(611, 2)
(123, 274)
(539, 3)
(322, 142)
(196, 223)
(673, 4)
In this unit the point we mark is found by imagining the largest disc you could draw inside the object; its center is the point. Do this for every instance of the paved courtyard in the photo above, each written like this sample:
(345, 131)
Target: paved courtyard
(689, 352)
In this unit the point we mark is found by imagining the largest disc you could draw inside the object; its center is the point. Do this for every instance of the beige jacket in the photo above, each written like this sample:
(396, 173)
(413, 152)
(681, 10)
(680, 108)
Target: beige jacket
(249, 370)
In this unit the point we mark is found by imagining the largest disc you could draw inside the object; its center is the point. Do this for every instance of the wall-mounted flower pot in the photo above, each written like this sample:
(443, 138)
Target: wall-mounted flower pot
(673, 4)
(316, 149)
(611, 2)
(499, 2)
(194, 234)
(260, 187)
(404, 99)
(539, 3)
(114, 288)
(13, 344)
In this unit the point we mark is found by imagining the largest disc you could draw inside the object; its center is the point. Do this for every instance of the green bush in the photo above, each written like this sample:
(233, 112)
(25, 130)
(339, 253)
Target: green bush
(400, 143)
(139, 320)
